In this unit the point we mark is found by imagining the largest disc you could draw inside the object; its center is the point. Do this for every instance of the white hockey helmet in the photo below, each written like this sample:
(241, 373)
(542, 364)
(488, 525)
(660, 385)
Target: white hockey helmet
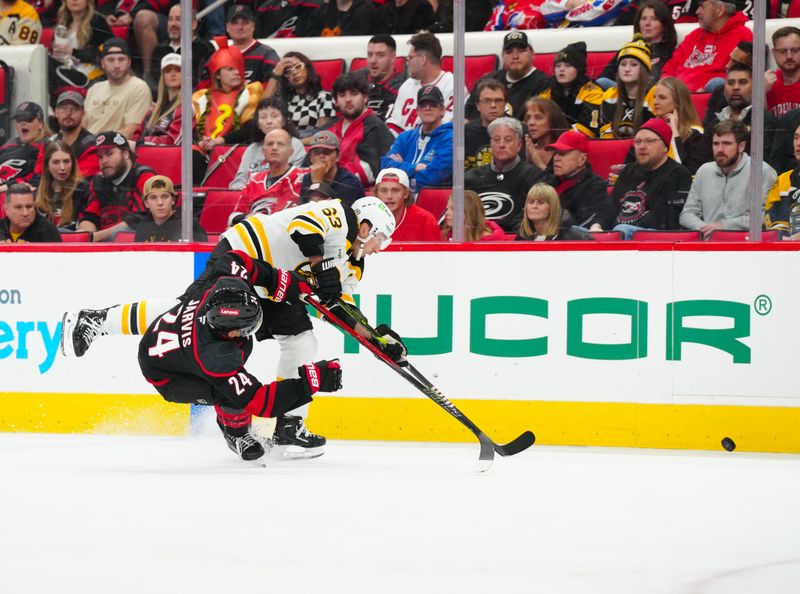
(372, 210)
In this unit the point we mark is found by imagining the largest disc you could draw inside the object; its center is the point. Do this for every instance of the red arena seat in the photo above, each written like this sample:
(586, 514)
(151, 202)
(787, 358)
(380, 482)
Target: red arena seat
(121, 32)
(47, 37)
(544, 62)
(164, 160)
(605, 153)
(607, 235)
(596, 61)
(76, 236)
(474, 67)
(700, 101)
(223, 164)
(212, 237)
(125, 237)
(359, 63)
(216, 209)
(434, 200)
(666, 236)
(329, 71)
(724, 235)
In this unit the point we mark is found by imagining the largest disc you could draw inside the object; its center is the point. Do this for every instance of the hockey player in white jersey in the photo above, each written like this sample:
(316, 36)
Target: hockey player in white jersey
(327, 239)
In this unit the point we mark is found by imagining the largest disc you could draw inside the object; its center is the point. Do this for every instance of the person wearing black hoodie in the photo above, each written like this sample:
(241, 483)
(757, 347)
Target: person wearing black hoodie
(577, 96)
(407, 16)
(341, 17)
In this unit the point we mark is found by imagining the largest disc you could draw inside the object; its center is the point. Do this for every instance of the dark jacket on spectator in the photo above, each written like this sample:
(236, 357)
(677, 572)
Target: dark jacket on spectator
(518, 91)
(329, 21)
(110, 202)
(659, 54)
(782, 150)
(412, 17)
(691, 154)
(101, 33)
(41, 230)
(651, 199)
(565, 233)
(280, 18)
(382, 95)
(477, 144)
(347, 186)
(503, 193)
(18, 162)
(585, 197)
(170, 230)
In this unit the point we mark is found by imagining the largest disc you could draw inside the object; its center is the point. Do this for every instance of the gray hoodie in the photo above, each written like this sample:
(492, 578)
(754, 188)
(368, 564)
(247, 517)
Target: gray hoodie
(716, 197)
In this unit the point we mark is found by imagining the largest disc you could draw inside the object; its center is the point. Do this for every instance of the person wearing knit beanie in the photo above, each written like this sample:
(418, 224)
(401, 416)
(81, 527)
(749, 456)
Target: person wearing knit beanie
(577, 96)
(660, 128)
(627, 105)
(638, 49)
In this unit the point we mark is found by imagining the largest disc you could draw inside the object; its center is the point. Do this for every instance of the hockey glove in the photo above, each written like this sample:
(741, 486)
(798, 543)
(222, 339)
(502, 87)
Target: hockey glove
(328, 286)
(391, 344)
(289, 286)
(322, 376)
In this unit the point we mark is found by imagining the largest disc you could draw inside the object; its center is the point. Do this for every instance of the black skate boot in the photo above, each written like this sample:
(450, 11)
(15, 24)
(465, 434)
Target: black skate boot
(292, 440)
(241, 442)
(79, 329)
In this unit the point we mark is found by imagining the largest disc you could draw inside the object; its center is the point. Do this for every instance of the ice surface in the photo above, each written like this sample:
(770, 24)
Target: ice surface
(103, 514)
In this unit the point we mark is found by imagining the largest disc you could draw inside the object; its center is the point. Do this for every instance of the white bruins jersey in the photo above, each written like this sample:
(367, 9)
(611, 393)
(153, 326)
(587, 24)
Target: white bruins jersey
(276, 238)
(19, 24)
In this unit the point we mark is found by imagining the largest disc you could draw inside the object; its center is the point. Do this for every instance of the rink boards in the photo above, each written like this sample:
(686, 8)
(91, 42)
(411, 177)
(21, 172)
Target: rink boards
(649, 345)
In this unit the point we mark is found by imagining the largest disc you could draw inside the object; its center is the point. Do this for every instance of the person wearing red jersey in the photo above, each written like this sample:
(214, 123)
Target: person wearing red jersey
(412, 223)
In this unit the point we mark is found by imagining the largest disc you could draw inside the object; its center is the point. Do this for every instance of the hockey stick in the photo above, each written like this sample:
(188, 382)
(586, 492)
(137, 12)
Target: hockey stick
(419, 381)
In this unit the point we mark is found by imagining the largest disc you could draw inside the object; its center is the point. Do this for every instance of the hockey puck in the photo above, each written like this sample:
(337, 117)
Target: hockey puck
(728, 444)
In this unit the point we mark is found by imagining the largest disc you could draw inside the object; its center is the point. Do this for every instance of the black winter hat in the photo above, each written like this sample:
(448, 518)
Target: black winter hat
(574, 55)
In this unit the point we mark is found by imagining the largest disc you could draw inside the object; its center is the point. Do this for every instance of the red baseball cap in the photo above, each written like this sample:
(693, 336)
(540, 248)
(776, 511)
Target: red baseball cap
(570, 141)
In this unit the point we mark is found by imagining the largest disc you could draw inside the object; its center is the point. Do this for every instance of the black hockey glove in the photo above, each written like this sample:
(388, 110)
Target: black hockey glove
(289, 286)
(328, 286)
(322, 376)
(392, 344)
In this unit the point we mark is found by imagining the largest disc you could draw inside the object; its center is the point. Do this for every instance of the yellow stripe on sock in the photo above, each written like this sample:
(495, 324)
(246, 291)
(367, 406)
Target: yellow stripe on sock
(126, 326)
(142, 317)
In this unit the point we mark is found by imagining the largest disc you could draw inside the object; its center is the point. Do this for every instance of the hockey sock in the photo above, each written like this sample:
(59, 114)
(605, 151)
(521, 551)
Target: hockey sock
(233, 421)
(133, 318)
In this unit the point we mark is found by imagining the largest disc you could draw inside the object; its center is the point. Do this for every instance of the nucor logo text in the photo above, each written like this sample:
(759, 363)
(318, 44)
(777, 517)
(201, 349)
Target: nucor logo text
(678, 329)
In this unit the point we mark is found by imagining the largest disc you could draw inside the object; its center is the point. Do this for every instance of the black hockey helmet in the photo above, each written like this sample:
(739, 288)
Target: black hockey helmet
(232, 305)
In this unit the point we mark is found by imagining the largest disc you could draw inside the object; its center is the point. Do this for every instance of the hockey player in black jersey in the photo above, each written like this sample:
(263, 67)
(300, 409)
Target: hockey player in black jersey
(196, 352)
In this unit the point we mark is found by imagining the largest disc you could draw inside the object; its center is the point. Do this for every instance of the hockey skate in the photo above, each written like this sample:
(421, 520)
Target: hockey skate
(293, 441)
(246, 446)
(79, 329)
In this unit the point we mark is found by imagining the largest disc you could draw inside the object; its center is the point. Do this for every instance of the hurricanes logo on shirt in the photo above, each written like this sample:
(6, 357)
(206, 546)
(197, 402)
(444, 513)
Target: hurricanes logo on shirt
(10, 169)
(701, 58)
(633, 207)
(497, 205)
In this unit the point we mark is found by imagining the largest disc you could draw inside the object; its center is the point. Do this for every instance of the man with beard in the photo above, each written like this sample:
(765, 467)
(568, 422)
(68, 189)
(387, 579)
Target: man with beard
(118, 189)
(120, 102)
(521, 78)
(739, 95)
(69, 114)
(503, 184)
(364, 137)
(719, 197)
(783, 94)
(383, 81)
(201, 48)
(492, 98)
(650, 192)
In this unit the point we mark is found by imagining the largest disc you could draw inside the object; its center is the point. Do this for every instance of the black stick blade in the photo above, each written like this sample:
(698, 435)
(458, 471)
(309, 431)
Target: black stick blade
(523, 442)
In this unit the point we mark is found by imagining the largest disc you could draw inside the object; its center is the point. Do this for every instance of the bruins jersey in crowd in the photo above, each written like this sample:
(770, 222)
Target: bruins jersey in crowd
(626, 123)
(783, 204)
(287, 238)
(19, 24)
(582, 109)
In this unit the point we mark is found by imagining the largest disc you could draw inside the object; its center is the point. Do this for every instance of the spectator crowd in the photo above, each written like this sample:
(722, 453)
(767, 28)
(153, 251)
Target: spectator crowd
(678, 114)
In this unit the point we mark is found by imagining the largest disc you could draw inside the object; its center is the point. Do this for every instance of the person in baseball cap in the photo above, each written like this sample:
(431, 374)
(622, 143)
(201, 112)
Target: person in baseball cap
(412, 223)
(324, 153)
(431, 94)
(28, 111)
(73, 97)
(115, 45)
(583, 193)
(111, 139)
(239, 11)
(320, 191)
(326, 140)
(515, 38)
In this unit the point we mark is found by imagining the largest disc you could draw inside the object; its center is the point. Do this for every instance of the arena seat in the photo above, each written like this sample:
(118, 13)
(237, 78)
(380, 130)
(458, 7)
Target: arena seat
(125, 237)
(46, 38)
(164, 160)
(607, 235)
(216, 208)
(219, 176)
(666, 236)
(794, 10)
(605, 153)
(329, 71)
(474, 67)
(212, 237)
(121, 32)
(359, 63)
(76, 236)
(596, 61)
(725, 235)
(700, 101)
(434, 200)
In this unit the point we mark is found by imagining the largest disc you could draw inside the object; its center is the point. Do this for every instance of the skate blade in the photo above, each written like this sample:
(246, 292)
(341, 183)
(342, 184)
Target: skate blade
(66, 341)
(284, 452)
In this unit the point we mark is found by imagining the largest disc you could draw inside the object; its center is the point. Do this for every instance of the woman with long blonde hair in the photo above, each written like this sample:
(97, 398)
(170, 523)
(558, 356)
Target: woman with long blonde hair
(87, 30)
(162, 124)
(541, 218)
(63, 193)
(672, 102)
(476, 227)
